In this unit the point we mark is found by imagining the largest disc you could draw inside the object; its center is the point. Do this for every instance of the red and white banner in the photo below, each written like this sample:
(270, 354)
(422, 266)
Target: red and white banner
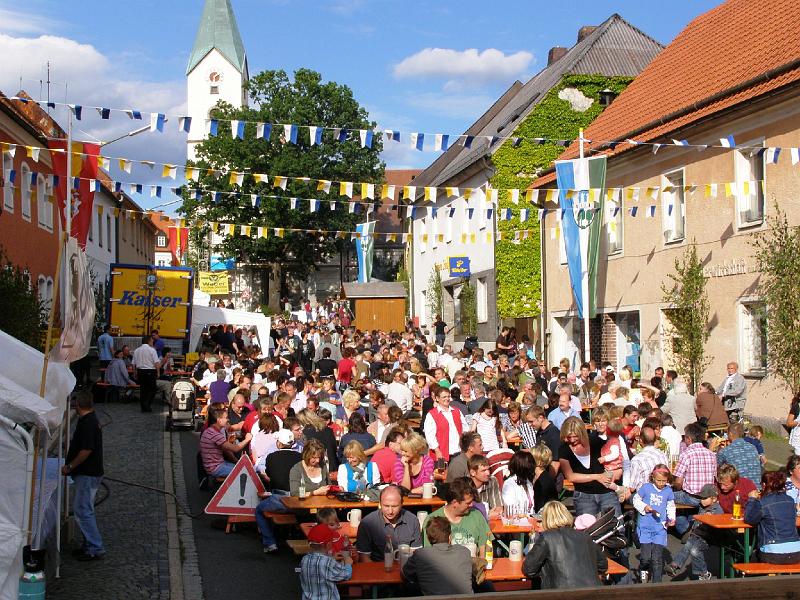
(84, 165)
(178, 242)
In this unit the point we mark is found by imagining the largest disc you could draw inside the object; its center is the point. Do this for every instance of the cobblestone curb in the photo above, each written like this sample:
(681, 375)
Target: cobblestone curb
(189, 565)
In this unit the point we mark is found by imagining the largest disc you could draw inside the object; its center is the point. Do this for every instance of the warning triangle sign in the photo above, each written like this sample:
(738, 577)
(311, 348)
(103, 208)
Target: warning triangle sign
(238, 494)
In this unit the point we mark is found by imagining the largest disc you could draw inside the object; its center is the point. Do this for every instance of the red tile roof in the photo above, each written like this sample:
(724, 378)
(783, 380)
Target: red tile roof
(735, 52)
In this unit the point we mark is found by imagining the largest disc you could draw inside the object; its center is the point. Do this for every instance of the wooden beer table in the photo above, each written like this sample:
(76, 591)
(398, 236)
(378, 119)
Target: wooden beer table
(314, 503)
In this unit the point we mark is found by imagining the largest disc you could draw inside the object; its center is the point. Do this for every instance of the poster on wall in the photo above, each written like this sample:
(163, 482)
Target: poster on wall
(213, 282)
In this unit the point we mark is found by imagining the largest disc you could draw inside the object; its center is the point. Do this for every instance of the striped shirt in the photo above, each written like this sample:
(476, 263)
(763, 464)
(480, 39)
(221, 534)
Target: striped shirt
(211, 448)
(319, 574)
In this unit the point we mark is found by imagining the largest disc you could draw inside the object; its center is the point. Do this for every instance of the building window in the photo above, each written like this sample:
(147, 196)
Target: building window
(749, 168)
(161, 240)
(482, 300)
(562, 243)
(753, 337)
(614, 224)
(8, 187)
(215, 89)
(25, 186)
(41, 288)
(162, 263)
(99, 230)
(673, 207)
(108, 232)
(44, 208)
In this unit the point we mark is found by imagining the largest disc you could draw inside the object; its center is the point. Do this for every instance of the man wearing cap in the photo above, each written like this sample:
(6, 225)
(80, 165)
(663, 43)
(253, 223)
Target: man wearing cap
(277, 467)
(319, 571)
(696, 545)
(391, 520)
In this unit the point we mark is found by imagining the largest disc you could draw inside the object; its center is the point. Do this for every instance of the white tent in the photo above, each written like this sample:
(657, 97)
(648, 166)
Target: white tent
(211, 315)
(20, 403)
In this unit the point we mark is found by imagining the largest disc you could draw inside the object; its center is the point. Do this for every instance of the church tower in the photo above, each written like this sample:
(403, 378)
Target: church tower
(217, 68)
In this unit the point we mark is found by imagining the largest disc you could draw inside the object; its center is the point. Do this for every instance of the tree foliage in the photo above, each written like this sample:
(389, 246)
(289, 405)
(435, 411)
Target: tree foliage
(688, 316)
(518, 262)
(277, 98)
(22, 314)
(434, 293)
(469, 309)
(777, 254)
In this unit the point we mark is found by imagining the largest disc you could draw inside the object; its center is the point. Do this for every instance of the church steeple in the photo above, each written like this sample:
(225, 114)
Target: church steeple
(217, 68)
(218, 29)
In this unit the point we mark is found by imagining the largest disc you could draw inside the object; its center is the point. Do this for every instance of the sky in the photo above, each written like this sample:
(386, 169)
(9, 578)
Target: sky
(415, 65)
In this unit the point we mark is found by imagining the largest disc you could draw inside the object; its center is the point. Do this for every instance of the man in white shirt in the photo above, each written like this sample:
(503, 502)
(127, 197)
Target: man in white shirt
(145, 360)
(399, 392)
(445, 357)
(443, 427)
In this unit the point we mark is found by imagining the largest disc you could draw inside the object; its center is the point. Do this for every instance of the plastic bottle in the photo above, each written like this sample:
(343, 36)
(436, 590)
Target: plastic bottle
(301, 491)
(489, 556)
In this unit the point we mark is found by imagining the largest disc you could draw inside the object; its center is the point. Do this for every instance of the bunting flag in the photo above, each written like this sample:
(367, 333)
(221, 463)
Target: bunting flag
(237, 129)
(178, 243)
(157, 122)
(387, 192)
(263, 131)
(213, 127)
(184, 124)
(84, 165)
(417, 140)
(346, 189)
(366, 138)
(368, 190)
(392, 135)
(314, 135)
(727, 142)
(582, 231)
(441, 142)
(290, 134)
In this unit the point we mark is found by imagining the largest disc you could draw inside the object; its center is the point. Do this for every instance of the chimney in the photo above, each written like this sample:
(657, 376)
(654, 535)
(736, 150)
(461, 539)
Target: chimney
(556, 53)
(585, 31)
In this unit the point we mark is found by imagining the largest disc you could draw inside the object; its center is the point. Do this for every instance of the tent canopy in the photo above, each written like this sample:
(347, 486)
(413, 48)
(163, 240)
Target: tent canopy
(211, 315)
(20, 373)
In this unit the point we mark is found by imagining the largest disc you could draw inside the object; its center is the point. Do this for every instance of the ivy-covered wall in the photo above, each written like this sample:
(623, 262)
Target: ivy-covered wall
(518, 263)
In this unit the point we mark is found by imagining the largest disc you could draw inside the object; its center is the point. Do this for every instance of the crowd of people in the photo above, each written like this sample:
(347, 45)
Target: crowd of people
(326, 408)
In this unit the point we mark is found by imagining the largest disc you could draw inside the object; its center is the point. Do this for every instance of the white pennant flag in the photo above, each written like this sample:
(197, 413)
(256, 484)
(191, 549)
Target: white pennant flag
(192, 173)
(368, 190)
(312, 134)
(515, 196)
(35, 154)
(795, 154)
(125, 165)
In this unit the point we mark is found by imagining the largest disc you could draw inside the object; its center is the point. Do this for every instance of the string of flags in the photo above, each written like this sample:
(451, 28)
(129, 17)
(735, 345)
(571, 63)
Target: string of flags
(441, 142)
(349, 189)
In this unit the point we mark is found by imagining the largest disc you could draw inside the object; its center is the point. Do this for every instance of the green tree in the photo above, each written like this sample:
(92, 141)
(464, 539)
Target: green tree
(276, 98)
(22, 314)
(469, 309)
(777, 254)
(688, 316)
(434, 293)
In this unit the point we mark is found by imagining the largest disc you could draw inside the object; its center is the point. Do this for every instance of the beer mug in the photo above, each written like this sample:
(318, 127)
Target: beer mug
(429, 490)
(354, 517)
(403, 554)
(515, 551)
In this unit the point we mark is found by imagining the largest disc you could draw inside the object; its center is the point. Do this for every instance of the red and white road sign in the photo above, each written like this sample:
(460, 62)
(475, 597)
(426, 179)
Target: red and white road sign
(238, 494)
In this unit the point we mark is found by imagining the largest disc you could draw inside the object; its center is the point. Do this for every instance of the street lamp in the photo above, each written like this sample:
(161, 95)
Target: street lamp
(129, 134)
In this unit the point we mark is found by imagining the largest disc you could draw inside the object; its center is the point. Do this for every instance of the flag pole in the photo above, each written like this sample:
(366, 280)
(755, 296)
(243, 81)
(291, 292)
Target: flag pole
(584, 278)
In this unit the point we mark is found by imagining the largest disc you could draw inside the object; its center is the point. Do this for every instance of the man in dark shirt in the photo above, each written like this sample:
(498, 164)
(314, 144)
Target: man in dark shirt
(390, 520)
(326, 364)
(440, 330)
(546, 432)
(278, 464)
(84, 464)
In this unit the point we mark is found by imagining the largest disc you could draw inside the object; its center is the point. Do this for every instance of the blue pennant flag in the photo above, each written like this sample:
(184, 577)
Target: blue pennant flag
(138, 187)
(237, 128)
(470, 213)
(216, 196)
(184, 124)
(117, 186)
(468, 141)
(291, 130)
(76, 183)
(516, 142)
(634, 210)
(420, 140)
(489, 212)
(136, 115)
(341, 134)
(434, 212)
(727, 142)
(264, 130)
(51, 105)
(198, 194)
(213, 127)
(413, 212)
(392, 135)
(157, 122)
(12, 176)
(366, 138)
(105, 113)
(77, 109)
(34, 177)
(451, 212)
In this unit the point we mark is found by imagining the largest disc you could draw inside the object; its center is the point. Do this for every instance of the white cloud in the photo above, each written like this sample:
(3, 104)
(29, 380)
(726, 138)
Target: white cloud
(12, 21)
(490, 65)
(81, 74)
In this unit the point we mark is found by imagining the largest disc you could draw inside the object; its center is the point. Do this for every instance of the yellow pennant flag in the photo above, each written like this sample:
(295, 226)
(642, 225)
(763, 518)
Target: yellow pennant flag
(323, 185)
(261, 232)
(279, 232)
(491, 196)
(550, 196)
(192, 173)
(728, 190)
(472, 238)
(245, 230)
(424, 238)
(409, 191)
(279, 182)
(215, 227)
(467, 194)
(430, 194)
(451, 191)
(463, 238)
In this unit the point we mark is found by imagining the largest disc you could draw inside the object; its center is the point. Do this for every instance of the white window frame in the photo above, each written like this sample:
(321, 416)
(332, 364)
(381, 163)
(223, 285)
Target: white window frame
(743, 167)
(482, 299)
(677, 198)
(8, 190)
(25, 191)
(560, 241)
(44, 208)
(614, 225)
(159, 242)
(108, 232)
(99, 229)
(41, 288)
(746, 319)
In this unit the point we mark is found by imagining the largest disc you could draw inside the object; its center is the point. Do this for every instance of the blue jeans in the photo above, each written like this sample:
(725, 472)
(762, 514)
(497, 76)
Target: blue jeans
(596, 504)
(223, 470)
(83, 508)
(683, 522)
(272, 503)
(695, 548)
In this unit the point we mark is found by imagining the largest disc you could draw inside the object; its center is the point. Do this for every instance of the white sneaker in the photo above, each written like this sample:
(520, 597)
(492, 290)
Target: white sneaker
(705, 576)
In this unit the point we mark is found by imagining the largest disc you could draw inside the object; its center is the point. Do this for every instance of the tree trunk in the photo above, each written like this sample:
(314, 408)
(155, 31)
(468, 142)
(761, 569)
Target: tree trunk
(274, 288)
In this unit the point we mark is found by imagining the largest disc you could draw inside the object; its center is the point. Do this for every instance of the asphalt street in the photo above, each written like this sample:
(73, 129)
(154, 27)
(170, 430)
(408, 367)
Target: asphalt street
(233, 565)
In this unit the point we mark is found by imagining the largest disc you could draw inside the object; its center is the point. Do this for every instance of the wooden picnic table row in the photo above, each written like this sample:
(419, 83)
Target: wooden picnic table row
(503, 569)
(314, 503)
(496, 526)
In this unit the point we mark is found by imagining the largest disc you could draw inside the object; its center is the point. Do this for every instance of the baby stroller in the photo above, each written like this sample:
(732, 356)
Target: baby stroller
(181, 405)
(613, 535)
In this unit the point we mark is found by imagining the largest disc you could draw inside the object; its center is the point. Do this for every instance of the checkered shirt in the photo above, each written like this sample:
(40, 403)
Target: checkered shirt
(697, 466)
